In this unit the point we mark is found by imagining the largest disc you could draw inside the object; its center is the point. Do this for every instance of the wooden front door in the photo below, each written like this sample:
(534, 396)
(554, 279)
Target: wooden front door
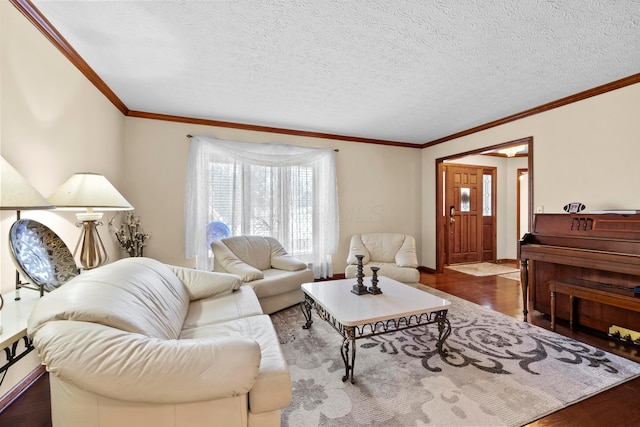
(463, 202)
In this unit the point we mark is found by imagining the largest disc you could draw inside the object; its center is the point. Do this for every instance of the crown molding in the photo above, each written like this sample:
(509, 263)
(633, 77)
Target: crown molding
(258, 128)
(618, 84)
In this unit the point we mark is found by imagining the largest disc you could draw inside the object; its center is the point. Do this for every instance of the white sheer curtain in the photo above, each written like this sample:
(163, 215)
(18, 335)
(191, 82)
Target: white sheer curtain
(284, 191)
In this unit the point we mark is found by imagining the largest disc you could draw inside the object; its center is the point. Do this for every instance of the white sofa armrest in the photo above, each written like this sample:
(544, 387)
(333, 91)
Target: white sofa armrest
(132, 367)
(287, 263)
(281, 259)
(205, 284)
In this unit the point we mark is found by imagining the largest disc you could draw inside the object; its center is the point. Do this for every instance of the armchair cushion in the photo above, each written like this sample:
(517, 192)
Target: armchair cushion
(249, 256)
(394, 253)
(253, 250)
(383, 247)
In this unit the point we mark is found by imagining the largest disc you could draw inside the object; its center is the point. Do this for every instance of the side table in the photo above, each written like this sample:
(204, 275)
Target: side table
(13, 318)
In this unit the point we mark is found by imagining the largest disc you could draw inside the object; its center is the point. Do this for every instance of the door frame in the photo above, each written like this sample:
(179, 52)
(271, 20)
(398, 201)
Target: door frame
(441, 239)
(480, 223)
(519, 173)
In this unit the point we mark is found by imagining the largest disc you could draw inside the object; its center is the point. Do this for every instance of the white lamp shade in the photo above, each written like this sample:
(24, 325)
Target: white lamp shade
(16, 193)
(88, 191)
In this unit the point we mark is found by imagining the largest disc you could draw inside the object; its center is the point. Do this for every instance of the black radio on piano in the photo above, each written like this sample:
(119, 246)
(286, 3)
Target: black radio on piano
(583, 268)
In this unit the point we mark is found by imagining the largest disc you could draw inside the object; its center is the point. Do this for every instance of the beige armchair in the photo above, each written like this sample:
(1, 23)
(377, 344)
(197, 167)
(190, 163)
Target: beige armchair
(393, 253)
(264, 265)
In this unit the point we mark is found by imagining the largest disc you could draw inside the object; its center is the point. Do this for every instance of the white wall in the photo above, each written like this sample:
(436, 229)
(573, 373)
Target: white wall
(53, 122)
(586, 151)
(378, 186)
(524, 204)
(510, 238)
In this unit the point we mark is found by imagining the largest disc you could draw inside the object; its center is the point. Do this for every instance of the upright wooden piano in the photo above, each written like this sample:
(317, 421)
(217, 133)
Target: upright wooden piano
(595, 257)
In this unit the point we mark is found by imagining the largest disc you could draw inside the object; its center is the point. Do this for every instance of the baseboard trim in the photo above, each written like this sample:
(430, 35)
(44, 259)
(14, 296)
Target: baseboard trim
(334, 277)
(21, 387)
(506, 261)
(341, 275)
(428, 270)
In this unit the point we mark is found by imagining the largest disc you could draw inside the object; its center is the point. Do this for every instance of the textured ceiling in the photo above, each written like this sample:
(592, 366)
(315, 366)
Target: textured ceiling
(409, 71)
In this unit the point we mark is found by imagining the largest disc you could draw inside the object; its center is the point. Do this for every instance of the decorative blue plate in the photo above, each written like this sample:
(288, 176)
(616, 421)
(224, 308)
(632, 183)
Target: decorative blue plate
(217, 230)
(40, 255)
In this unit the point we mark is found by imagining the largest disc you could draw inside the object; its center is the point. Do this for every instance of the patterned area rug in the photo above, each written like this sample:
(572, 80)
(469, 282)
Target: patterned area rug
(499, 371)
(482, 269)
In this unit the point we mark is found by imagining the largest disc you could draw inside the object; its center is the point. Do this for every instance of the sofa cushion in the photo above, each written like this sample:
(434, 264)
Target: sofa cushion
(272, 389)
(221, 308)
(277, 282)
(205, 284)
(137, 295)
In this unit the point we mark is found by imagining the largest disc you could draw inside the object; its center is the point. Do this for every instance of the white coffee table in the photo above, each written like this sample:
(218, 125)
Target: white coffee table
(398, 307)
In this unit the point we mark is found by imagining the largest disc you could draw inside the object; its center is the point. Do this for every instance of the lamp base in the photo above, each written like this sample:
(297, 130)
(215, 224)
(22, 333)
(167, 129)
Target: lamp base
(93, 253)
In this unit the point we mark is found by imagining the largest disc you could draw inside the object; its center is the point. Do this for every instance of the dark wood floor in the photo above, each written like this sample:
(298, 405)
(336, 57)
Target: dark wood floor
(619, 406)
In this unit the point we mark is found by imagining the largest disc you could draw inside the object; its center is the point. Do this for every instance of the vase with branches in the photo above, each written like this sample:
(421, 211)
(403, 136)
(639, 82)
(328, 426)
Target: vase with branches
(130, 236)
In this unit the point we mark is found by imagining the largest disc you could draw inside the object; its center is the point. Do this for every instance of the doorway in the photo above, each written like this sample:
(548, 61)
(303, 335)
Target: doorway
(470, 199)
(443, 213)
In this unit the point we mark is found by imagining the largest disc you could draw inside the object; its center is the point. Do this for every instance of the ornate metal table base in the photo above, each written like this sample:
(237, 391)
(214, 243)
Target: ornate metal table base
(12, 355)
(352, 333)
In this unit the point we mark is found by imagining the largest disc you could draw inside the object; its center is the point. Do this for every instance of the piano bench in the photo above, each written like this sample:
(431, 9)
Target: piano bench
(603, 293)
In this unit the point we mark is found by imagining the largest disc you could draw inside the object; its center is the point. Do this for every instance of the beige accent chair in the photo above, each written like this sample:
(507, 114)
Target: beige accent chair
(141, 343)
(393, 253)
(264, 265)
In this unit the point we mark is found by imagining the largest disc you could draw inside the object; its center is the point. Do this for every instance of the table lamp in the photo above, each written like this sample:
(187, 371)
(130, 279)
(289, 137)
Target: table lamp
(17, 194)
(89, 191)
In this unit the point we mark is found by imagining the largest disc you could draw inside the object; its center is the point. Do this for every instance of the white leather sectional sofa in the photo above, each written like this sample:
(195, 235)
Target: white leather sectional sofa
(141, 343)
